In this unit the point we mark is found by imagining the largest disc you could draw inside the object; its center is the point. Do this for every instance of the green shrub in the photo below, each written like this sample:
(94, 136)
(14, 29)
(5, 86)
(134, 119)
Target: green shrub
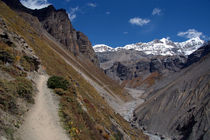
(57, 82)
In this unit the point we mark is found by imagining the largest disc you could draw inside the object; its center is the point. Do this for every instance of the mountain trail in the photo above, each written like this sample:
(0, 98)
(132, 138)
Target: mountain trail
(125, 109)
(42, 121)
(113, 100)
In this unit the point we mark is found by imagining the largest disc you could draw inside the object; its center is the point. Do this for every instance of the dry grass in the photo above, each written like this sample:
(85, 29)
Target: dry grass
(79, 123)
(92, 71)
(139, 81)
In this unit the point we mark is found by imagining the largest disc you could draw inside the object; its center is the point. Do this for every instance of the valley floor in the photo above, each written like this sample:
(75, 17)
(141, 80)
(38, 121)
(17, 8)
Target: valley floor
(42, 121)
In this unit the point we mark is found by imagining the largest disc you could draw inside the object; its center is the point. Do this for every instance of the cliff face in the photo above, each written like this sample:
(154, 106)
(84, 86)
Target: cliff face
(57, 23)
(131, 71)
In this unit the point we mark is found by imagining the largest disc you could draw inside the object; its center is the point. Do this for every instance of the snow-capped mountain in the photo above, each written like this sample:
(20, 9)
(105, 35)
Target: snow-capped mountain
(102, 48)
(163, 46)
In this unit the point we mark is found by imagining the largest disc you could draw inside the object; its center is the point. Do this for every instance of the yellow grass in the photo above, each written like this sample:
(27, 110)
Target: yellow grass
(79, 124)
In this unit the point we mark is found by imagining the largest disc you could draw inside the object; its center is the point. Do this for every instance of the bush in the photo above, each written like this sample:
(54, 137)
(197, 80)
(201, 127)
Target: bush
(57, 82)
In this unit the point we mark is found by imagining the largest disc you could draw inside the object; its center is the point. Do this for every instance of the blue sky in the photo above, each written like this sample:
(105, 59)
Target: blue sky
(121, 22)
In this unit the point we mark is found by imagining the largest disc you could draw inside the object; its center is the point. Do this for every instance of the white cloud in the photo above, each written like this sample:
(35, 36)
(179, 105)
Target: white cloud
(72, 14)
(139, 21)
(168, 38)
(72, 17)
(35, 4)
(156, 11)
(67, 0)
(92, 5)
(191, 33)
(125, 33)
(108, 13)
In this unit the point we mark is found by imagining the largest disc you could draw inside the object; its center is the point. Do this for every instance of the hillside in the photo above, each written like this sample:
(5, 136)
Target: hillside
(170, 84)
(178, 106)
(57, 24)
(51, 85)
(84, 113)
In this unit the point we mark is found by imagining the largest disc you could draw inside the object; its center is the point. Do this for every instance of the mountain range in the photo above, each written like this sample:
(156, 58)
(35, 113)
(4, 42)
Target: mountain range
(163, 47)
(131, 62)
(55, 85)
(174, 99)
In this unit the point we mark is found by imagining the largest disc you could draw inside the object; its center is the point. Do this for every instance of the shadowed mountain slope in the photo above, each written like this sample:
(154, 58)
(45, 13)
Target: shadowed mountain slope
(178, 106)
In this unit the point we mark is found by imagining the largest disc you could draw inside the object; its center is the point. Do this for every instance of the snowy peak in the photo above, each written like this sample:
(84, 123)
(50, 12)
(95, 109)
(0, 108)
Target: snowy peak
(102, 48)
(192, 42)
(163, 46)
(190, 45)
(165, 40)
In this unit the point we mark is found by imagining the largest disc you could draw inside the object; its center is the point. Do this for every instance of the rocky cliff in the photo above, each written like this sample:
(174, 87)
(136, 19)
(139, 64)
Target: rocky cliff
(83, 107)
(178, 106)
(57, 24)
(131, 67)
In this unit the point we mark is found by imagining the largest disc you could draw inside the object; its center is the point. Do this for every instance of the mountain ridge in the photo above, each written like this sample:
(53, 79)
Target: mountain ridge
(168, 89)
(57, 24)
(163, 47)
(83, 110)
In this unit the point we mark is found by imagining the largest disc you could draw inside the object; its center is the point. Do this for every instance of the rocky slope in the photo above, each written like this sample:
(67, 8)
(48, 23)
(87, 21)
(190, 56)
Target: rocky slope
(83, 107)
(178, 106)
(130, 68)
(140, 65)
(143, 67)
(176, 97)
(57, 24)
(18, 68)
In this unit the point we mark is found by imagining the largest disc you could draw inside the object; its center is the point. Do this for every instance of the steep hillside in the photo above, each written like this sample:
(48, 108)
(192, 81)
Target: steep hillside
(57, 23)
(36, 18)
(83, 111)
(18, 71)
(178, 106)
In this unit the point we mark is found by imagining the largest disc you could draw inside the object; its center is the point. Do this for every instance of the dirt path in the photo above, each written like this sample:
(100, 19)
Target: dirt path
(42, 121)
